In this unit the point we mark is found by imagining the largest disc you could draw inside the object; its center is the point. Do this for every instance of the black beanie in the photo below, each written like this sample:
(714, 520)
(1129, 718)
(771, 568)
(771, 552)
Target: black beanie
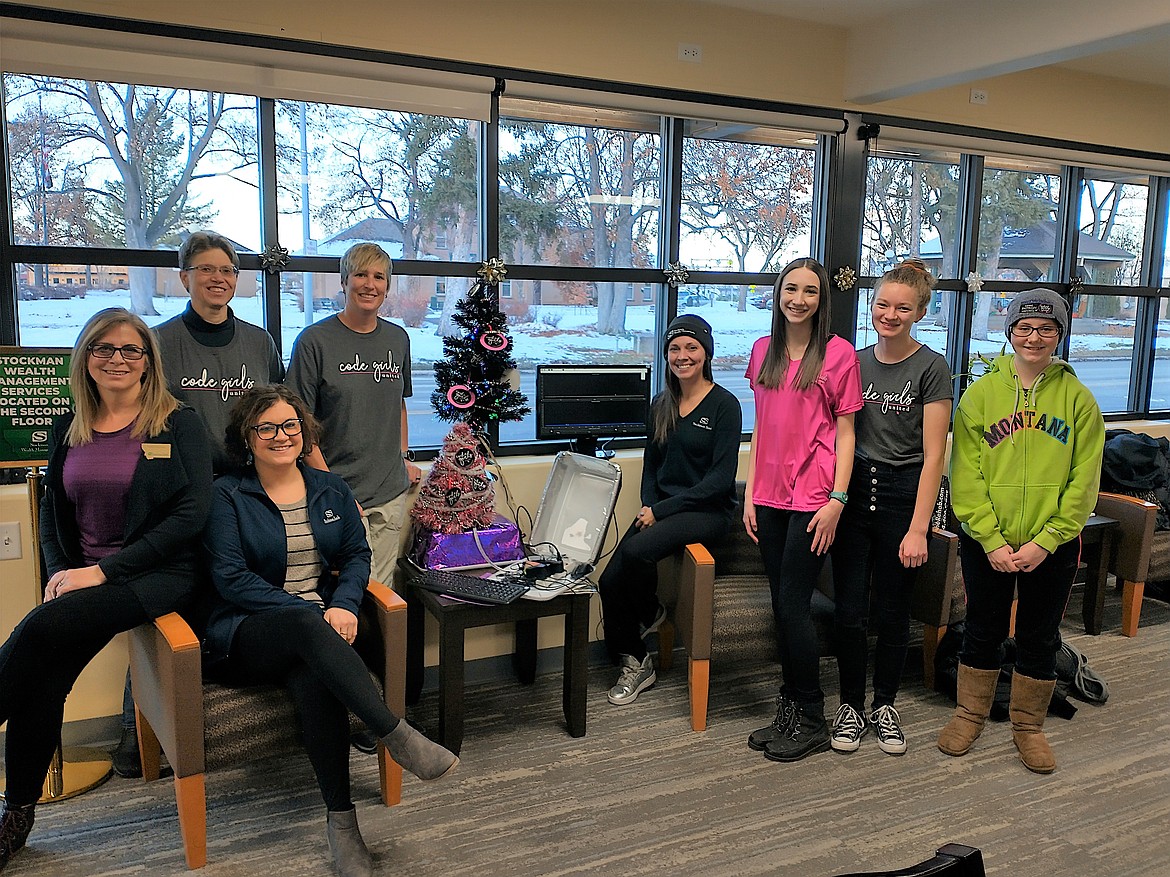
(693, 327)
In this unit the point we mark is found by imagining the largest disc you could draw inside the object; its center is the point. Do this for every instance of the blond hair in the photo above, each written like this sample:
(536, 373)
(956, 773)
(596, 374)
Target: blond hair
(156, 401)
(361, 256)
(912, 273)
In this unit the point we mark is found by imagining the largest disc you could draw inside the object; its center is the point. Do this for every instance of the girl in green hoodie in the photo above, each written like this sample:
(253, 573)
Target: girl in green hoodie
(1025, 470)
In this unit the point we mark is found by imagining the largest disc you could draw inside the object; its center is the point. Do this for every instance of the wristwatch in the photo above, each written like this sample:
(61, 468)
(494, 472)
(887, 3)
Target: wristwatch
(408, 456)
(840, 495)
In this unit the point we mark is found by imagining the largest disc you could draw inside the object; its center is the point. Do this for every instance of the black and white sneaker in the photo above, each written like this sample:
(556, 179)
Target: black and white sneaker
(848, 729)
(887, 724)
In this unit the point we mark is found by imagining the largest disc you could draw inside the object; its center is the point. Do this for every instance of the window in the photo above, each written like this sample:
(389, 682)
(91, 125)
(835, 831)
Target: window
(1112, 228)
(747, 197)
(911, 209)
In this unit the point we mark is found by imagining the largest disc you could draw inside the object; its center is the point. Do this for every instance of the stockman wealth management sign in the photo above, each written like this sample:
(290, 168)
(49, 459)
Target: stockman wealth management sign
(34, 389)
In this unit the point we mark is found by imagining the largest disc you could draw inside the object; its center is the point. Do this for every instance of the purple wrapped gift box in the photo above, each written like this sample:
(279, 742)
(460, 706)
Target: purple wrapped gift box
(500, 540)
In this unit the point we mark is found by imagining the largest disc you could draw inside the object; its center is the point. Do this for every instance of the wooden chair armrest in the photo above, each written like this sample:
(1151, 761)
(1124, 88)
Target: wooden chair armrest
(167, 679)
(390, 611)
(694, 611)
(931, 603)
(1135, 537)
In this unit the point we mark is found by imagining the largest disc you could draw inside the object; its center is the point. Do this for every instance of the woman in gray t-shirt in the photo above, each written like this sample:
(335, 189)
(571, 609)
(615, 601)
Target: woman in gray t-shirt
(882, 537)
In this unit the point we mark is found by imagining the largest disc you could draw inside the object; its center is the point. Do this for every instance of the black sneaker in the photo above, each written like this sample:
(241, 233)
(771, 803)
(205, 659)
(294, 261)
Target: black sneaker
(888, 725)
(809, 734)
(848, 729)
(15, 824)
(786, 714)
(364, 740)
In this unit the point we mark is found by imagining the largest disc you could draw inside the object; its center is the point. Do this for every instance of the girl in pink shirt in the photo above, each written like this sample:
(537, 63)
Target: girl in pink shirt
(807, 385)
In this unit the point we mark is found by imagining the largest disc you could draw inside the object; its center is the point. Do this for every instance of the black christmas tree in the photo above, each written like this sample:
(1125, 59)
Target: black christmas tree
(472, 378)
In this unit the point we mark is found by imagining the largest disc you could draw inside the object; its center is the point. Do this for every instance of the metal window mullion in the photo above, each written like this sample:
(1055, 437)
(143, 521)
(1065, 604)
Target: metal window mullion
(846, 205)
(1145, 327)
(487, 183)
(1068, 225)
(961, 318)
(669, 229)
(8, 309)
(269, 225)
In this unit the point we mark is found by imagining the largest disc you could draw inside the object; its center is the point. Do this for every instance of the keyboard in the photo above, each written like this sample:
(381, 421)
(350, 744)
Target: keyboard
(465, 586)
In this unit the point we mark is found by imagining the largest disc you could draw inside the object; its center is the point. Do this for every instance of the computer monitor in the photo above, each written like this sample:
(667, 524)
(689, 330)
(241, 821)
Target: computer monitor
(584, 403)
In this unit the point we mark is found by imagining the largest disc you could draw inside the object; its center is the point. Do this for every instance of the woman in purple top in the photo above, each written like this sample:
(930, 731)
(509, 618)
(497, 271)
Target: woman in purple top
(127, 491)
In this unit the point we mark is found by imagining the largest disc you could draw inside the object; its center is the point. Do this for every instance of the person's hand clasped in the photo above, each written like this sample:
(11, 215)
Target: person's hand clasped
(823, 526)
(344, 622)
(645, 518)
(66, 580)
(1029, 557)
(1003, 559)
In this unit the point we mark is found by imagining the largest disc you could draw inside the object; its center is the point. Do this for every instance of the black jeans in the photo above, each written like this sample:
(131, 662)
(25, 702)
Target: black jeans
(865, 556)
(1042, 594)
(325, 677)
(793, 569)
(38, 666)
(629, 584)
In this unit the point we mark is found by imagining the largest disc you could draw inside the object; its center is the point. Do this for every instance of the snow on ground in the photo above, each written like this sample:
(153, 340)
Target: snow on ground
(560, 333)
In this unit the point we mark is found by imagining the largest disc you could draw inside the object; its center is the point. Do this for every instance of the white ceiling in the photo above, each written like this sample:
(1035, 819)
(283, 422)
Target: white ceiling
(938, 43)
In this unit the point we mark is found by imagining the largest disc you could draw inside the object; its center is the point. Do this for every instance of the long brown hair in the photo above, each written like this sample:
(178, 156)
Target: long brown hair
(664, 407)
(774, 368)
(156, 401)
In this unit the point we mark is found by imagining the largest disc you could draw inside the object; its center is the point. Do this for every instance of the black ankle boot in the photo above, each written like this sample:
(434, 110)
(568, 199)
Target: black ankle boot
(808, 734)
(126, 758)
(15, 824)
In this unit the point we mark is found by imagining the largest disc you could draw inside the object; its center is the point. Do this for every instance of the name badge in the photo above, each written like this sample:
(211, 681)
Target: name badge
(153, 451)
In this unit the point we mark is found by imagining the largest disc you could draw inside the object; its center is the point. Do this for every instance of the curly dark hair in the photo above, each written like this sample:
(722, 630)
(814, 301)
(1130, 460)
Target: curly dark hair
(248, 409)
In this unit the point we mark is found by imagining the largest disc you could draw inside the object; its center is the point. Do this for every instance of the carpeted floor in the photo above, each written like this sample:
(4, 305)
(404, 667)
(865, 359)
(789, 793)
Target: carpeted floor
(642, 794)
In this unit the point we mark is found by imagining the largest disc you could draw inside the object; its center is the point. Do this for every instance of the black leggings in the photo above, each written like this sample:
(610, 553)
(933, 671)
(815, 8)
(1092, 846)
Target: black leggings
(295, 647)
(629, 584)
(39, 664)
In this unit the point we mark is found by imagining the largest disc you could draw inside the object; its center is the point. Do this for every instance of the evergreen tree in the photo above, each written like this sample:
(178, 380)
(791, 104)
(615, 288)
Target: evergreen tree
(472, 378)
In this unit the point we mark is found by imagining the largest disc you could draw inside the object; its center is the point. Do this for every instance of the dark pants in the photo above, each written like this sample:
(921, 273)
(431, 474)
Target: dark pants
(629, 585)
(1043, 595)
(39, 664)
(326, 679)
(793, 569)
(865, 556)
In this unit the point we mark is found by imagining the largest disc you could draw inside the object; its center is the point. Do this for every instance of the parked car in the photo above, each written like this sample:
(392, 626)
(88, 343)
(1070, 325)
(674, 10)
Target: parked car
(763, 302)
(697, 299)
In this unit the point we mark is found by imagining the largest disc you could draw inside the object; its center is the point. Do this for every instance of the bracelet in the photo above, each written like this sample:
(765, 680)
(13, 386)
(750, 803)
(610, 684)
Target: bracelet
(840, 495)
(408, 456)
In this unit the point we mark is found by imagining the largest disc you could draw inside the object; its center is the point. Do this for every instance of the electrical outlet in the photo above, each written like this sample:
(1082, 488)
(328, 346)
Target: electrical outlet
(979, 96)
(10, 540)
(691, 52)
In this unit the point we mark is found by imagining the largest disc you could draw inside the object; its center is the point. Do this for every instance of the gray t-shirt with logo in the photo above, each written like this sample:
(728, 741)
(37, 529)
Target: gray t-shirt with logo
(889, 426)
(354, 383)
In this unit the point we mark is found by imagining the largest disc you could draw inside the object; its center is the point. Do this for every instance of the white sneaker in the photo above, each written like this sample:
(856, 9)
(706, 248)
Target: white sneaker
(888, 726)
(634, 679)
(848, 729)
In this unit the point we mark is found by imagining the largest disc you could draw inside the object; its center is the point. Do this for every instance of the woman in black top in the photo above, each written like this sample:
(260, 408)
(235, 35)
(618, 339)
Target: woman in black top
(688, 495)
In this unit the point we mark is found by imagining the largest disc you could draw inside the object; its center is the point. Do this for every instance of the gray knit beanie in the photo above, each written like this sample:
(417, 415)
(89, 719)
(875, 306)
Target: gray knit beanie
(1037, 302)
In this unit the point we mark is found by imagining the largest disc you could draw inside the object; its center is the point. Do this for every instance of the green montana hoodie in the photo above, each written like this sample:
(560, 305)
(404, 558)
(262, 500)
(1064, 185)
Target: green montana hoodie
(1026, 465)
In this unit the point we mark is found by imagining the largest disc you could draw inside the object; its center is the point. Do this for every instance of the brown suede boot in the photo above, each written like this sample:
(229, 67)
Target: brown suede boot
(1029, 706)
(974, 694)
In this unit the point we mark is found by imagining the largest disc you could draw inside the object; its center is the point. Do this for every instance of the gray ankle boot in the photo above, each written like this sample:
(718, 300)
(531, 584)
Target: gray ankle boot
(422, 757)
(345, 843)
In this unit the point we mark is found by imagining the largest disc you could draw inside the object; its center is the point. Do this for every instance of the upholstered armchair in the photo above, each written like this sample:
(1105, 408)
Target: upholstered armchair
(199, 724)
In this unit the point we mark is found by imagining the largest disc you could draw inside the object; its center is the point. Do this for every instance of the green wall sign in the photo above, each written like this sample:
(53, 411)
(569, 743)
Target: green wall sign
(34, 389)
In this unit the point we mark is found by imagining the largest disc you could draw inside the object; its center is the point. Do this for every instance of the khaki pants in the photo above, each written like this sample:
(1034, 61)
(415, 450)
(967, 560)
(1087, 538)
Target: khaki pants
(383, 526)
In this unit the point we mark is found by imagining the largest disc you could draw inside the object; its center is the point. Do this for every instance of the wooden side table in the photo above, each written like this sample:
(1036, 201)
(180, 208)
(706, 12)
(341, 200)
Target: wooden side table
(1097, 541)
(455, 617)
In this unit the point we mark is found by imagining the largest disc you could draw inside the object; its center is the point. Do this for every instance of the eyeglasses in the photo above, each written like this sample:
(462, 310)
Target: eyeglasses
(1045, 331)
(267, 431)
(130, 352)
(212, 270)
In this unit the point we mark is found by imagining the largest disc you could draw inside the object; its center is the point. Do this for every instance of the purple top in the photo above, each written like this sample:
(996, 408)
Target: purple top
(97, 478)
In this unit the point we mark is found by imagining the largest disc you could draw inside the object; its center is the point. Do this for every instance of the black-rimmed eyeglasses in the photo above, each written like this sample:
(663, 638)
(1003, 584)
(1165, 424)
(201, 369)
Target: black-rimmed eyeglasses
(130, 352)
(1043, 331)
(267, 431)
